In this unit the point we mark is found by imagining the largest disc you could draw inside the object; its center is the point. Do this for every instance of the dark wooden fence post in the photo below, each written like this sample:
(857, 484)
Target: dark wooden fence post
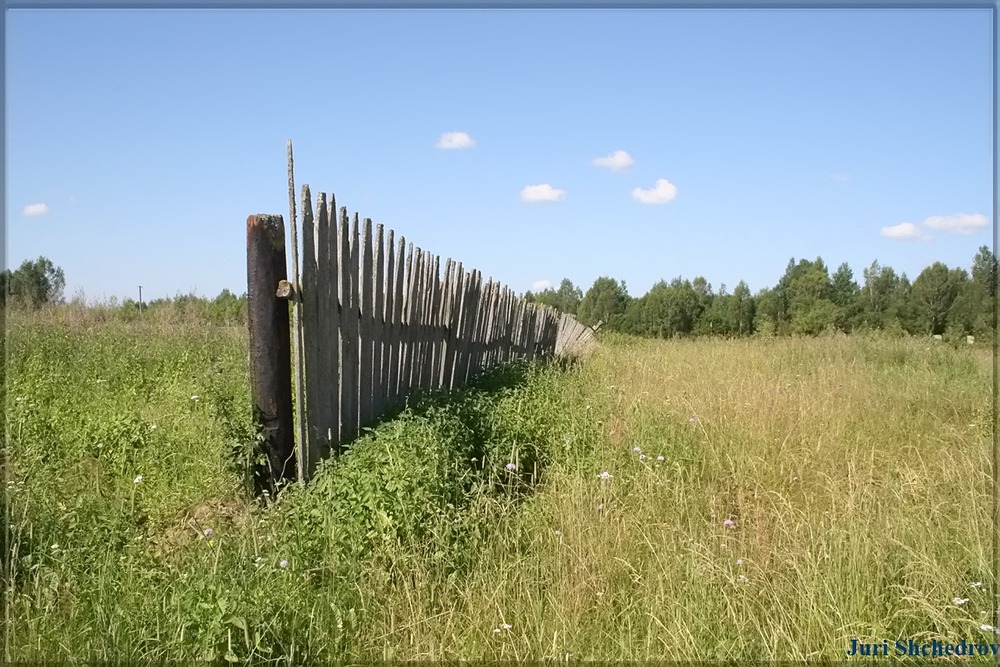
(270, 351)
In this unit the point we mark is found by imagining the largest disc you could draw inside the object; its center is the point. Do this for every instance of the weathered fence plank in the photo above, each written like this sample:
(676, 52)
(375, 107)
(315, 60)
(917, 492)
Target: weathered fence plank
(474, 327)
(432, 303)
(398, 299)
(387, 308)
(326, 425)
(312, 323)
(420, 349)
(409, 336)
(378, 331)
(330, 335)
(444, 321)
(451, 352)
(471, 338)
(365, 330)
(348, 331)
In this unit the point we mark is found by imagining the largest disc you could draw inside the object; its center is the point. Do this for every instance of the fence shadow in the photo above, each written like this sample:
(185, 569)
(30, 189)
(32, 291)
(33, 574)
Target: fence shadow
(420, 402)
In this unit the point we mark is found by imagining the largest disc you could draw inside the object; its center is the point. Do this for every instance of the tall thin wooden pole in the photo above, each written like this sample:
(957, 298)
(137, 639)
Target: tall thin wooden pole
(270, 352)
(299, 343)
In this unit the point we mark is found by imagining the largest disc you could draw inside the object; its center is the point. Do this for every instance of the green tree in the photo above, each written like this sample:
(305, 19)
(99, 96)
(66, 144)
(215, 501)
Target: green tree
(703, 291)
(719, 318)
(34, 284)
(655, 311)
(605, 299)
(632, 321)
(566, 299)
(821, 315)
(227, 309)
(964, 311)
(673, 309)
(545, 297)
(974, 309)
(901, 313)
(934, 292)
(883, 299)
(685, 305)
(769, 319)
(569, 296)
(810, 305)
(984, 293)
(744, 310)
(795, 291)
(845, 293)
(802, 301)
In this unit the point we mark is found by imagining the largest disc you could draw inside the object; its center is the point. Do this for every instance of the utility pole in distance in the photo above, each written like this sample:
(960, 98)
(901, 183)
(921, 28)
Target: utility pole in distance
(140, 299)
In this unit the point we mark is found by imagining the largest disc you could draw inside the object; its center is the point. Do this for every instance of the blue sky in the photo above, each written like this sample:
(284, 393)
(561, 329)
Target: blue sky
(140, 141)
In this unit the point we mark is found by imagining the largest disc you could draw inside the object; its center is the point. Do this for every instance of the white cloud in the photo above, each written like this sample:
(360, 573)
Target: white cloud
(35, 210)
(960, 223)
(455, 140)
(904, 231)
(615, 162)
(660, 193)
(541, 285)
(542, 192)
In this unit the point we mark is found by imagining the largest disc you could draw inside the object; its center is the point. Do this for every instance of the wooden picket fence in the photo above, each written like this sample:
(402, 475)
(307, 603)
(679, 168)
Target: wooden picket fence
(381, 318)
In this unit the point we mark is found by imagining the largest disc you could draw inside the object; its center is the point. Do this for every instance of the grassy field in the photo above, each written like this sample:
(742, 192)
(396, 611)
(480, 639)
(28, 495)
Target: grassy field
(743, 500)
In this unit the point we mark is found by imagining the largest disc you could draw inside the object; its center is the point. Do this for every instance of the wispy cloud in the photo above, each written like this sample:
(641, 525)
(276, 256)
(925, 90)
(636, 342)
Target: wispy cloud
(35, 210)
(455, 140)
(615, 162)
(542, 192)
(661, 193)
(541, 285)
(960, 223)
(904, 231)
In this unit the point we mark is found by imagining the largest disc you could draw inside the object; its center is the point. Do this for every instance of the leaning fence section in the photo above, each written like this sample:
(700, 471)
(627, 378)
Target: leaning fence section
(381, 318)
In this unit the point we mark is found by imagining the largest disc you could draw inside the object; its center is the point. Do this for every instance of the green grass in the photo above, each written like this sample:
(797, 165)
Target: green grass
(856, 472)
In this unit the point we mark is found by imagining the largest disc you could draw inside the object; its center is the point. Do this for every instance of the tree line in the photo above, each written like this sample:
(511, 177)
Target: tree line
(808, 299)
(40, 283)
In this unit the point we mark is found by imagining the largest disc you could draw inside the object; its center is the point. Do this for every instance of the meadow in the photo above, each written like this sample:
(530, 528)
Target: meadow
(753, 500)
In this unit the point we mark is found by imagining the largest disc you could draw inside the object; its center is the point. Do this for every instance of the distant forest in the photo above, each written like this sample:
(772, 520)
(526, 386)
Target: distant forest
(808, 299)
